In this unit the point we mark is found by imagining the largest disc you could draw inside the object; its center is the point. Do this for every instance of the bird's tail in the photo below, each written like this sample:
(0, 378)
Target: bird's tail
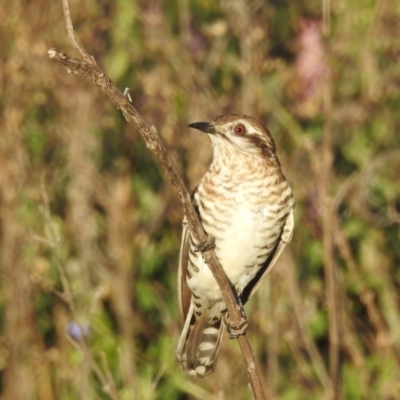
(198, 346)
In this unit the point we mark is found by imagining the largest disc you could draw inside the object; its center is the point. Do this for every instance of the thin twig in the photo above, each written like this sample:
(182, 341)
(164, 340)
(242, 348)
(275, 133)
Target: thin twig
(90, 69)
(157, 378)
(108, 386)
(308, 342)
(72, 36)
(108, 375)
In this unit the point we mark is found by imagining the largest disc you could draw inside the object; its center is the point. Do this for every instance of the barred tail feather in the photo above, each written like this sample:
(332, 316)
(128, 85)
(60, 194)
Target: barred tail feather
(198, 346)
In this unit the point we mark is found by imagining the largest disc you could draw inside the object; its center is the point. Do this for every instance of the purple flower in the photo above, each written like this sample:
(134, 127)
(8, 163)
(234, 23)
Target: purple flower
(78, 330)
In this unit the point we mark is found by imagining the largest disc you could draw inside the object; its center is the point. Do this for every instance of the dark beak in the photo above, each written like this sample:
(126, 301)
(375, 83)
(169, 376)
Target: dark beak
(207, 127)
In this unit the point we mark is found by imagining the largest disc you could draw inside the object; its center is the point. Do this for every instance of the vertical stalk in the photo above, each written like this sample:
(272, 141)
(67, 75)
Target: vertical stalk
(328, 219)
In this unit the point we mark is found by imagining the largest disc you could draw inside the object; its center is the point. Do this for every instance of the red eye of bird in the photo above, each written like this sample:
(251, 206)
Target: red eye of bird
(239, 130)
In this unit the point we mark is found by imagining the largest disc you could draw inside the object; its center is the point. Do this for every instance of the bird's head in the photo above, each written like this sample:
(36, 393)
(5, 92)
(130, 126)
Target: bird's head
(236, 134)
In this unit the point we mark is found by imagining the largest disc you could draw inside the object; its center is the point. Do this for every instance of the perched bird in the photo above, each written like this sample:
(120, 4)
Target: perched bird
(246, 208)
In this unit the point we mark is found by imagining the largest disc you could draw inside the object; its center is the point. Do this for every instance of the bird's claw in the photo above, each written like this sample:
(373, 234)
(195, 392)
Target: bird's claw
(207, 245)
(236, 330)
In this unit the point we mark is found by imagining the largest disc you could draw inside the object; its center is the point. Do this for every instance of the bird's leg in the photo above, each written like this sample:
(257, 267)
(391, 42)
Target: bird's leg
(236, 330)
(207, 245)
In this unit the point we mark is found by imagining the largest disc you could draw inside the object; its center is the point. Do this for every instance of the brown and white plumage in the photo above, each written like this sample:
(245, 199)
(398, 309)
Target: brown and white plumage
(245, 203)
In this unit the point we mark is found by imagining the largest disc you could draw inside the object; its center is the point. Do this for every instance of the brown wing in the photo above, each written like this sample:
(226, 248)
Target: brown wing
(284, 239)
(184, 293)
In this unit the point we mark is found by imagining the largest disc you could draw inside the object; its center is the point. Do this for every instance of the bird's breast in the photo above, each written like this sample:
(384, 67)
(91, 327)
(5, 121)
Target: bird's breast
(246, 221)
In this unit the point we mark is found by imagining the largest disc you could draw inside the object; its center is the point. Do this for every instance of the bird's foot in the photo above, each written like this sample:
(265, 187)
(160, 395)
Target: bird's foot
(207, 245)
(235, 330)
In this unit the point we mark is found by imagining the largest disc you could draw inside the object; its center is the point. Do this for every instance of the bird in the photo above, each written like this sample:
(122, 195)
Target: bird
(246, 208)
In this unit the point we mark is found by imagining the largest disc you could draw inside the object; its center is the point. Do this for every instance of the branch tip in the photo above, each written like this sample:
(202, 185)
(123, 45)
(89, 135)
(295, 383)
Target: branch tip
(52, 52)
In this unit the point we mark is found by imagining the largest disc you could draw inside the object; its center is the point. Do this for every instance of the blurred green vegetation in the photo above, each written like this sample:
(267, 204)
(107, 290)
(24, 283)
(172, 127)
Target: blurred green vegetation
(90, 228)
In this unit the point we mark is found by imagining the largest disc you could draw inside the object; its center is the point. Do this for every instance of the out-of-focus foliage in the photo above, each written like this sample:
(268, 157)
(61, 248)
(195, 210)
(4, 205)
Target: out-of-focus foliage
(89, 227)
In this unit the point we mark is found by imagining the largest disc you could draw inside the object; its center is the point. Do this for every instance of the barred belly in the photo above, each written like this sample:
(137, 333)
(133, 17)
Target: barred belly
(246, 229)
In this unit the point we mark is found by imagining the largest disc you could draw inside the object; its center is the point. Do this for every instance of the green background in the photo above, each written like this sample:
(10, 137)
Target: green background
(90, 227)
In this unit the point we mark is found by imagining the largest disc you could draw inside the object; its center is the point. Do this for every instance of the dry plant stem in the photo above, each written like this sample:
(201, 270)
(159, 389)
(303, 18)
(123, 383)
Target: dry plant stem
(328, 218)
(71, 34)
(90, 69)
(154, 143)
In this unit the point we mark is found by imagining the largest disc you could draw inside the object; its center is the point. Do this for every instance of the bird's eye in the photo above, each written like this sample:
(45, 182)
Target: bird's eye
(239, 130)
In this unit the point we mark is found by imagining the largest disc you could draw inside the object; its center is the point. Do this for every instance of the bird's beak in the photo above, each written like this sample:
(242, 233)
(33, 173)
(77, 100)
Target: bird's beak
(207, 127)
